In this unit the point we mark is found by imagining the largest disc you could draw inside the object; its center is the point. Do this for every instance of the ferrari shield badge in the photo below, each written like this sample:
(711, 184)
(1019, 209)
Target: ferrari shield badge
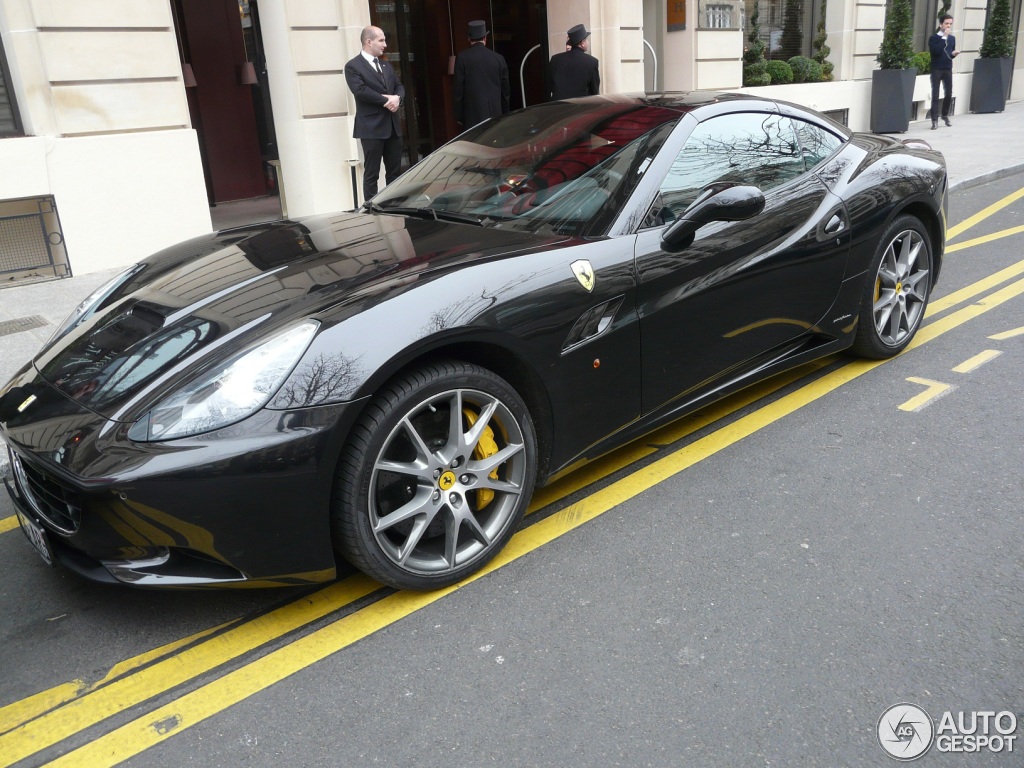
(584, 273)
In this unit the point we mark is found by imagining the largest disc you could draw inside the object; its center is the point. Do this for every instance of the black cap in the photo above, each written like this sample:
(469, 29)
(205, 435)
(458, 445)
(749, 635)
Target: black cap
(577, 34)
(477, 30)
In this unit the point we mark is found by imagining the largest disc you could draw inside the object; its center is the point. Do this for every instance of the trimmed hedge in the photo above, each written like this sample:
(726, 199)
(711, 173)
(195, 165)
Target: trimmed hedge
(805, 70)
(780, 72)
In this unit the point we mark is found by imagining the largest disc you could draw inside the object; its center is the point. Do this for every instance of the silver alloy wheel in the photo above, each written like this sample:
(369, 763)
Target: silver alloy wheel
(447, 482)
(901, 288)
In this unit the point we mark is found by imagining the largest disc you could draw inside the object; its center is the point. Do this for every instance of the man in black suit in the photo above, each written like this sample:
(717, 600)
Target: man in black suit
(573, 72)
(379, 96)
(481, 80)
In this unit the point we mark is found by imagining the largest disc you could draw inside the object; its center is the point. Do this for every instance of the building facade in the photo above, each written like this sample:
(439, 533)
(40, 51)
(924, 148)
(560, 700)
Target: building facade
(123, 121)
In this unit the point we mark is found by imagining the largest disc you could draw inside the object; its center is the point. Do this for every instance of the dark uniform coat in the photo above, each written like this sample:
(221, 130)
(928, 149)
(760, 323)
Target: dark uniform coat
(481, 85)
(373, 121)
(571, 74)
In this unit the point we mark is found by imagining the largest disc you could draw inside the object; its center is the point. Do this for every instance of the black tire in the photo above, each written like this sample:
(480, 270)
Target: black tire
(897, 290)
(422, 500)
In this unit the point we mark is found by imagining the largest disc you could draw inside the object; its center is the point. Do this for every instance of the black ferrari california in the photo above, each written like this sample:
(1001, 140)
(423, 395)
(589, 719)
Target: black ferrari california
(389, 385)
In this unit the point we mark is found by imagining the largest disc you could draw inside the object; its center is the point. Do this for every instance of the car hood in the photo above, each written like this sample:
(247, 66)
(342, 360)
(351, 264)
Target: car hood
(195, 304)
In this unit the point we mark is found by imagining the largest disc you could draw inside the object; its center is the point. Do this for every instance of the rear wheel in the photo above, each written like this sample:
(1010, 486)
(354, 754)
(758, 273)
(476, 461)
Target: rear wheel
(435, 478)
(897, 294)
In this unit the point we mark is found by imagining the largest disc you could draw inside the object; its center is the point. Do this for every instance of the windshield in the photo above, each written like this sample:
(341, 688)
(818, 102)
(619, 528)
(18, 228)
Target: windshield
(562, 167)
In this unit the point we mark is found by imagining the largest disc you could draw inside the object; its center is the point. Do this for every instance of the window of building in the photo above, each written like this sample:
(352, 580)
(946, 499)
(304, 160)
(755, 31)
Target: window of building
(10, 122)
(720, 15)
(788, 27)
(925, 22)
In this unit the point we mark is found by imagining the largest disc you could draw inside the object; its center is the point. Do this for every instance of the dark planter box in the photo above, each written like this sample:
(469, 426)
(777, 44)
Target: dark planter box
(990, 84)
(892, 99)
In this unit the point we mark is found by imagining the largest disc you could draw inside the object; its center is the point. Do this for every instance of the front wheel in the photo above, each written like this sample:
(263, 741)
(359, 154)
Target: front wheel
(435, 478)
(897, 292)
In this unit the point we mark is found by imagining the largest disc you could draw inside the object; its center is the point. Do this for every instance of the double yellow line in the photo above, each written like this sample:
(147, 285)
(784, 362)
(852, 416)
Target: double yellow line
(40, 722)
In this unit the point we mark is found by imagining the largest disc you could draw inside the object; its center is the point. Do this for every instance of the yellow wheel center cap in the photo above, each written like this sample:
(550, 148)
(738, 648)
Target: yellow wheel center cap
(899, 287)
(446, 481)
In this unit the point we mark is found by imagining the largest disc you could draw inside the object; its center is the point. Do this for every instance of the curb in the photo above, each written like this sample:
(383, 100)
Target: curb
(984, 178)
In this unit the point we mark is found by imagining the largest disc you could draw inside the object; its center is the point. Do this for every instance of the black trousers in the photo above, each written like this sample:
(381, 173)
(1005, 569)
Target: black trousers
(944, 76)
(375, 150)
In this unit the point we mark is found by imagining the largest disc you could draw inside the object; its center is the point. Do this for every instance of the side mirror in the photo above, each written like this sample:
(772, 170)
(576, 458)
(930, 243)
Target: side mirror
(720, 201)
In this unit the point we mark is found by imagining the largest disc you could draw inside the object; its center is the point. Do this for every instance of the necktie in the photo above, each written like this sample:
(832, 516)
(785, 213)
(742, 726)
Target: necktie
(380, 70)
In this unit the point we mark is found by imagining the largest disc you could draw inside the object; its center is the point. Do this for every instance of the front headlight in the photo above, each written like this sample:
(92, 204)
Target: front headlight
(230, 392)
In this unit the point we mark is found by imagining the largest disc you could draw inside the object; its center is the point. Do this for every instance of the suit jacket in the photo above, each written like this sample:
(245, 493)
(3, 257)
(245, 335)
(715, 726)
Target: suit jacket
(573, 73)
(481, 85)
(373, 121)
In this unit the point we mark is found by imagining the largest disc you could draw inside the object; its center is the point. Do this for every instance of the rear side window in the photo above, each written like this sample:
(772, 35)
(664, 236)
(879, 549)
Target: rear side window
(755, 148)
(816, 144)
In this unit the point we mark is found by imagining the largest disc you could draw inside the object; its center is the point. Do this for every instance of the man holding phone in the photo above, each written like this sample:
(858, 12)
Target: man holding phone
(942, 47)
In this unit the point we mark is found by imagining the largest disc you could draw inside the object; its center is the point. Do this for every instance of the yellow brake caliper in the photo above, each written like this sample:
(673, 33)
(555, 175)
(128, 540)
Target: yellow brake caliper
(485, 447)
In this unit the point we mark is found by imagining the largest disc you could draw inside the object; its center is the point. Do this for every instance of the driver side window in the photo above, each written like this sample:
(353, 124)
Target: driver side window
(754, 148)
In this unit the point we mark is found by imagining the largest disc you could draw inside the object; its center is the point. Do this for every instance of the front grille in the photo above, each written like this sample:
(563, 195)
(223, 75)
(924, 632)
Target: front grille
(55, 502)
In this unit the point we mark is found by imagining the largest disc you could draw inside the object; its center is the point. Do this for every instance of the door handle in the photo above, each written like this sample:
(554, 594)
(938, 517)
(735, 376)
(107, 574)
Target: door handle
(835, 225)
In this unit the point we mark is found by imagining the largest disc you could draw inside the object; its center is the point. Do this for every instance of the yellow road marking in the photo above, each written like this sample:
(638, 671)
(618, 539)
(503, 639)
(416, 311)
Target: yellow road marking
(8, 523)
(1008, 334)
(213, 697)
(985, 239)
(56, 725)
(977, 361)
(975, 289)
(934, 389)
(983, 214)
(18, 712)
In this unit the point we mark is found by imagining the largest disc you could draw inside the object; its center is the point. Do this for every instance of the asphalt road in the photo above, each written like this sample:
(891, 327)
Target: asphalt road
(754, 586)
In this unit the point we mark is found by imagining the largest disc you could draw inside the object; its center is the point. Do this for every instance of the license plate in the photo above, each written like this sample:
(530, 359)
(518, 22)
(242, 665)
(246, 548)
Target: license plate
(37, 536)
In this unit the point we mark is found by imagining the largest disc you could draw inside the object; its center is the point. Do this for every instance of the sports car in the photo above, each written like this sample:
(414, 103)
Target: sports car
(387, 386)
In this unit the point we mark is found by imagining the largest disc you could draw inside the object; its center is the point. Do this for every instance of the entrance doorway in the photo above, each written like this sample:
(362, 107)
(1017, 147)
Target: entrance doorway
(423, 38)
(228, 96)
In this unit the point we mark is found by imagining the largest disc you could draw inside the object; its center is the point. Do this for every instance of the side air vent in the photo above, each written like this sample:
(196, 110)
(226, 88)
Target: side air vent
(592, 323)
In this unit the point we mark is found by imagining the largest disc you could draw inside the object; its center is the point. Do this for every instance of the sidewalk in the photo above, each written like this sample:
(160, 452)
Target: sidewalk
(978, 148)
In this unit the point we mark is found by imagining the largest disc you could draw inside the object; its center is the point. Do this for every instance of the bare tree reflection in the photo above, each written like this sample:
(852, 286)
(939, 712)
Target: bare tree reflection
(321, 380)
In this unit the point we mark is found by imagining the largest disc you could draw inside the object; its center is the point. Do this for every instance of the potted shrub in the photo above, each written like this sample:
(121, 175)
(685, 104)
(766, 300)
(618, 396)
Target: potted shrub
(892, 85)
(990, 83)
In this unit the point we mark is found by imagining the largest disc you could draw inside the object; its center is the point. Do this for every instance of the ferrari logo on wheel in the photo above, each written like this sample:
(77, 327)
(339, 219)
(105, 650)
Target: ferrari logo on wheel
(584, 273)
(447, 481)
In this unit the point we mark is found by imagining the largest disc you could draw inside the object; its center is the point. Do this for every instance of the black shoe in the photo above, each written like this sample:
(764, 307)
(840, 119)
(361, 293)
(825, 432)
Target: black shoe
(946, 121)
(935, 125)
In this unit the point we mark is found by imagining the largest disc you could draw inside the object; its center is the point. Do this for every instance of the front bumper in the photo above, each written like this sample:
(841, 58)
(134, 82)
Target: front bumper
(244, 506)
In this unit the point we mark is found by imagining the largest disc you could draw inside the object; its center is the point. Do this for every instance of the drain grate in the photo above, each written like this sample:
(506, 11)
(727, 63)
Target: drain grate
(20, 324)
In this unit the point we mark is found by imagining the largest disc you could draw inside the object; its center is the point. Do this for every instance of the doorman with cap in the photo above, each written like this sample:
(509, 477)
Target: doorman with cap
(574, 72)
(481, 80)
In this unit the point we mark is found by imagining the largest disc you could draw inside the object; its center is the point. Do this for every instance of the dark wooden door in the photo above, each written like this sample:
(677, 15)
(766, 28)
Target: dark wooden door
(220, 104)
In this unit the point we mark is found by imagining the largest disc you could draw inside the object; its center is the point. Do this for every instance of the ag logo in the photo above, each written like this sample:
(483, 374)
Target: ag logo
(584, 273)
(446, 481)
(905, 731)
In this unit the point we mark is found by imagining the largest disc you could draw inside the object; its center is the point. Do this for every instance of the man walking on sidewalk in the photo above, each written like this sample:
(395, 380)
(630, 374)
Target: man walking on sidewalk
(942, 47)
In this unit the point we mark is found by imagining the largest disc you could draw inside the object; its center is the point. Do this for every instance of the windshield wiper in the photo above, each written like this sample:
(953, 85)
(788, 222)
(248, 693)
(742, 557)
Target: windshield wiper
(426, 212)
